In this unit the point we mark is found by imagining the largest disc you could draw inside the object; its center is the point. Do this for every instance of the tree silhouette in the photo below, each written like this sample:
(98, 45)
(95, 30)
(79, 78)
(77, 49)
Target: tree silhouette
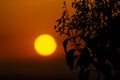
(92, 41)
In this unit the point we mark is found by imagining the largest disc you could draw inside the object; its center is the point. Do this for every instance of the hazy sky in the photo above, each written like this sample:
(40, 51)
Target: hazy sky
(21, 21)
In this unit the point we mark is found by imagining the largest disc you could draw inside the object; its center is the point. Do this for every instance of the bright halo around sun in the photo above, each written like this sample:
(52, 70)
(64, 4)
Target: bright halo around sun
(45, 45)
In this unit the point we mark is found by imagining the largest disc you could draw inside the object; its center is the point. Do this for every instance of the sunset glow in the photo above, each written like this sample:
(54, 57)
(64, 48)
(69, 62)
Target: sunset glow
(21, 23)
(45, 45)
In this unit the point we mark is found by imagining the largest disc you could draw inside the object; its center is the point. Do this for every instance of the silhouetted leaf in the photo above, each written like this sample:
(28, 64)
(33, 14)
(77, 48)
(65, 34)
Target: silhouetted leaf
(70, 58)
(65, 44)
(85, 58)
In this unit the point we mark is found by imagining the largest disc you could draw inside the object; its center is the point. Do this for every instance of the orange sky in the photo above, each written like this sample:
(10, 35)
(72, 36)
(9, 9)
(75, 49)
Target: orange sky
(21, 21)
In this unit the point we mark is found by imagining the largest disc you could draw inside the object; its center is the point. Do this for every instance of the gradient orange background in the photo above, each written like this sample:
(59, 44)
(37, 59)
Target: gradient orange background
(21, 21)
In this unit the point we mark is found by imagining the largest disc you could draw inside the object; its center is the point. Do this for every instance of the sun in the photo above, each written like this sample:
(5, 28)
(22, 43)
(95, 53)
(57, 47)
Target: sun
(45, 45)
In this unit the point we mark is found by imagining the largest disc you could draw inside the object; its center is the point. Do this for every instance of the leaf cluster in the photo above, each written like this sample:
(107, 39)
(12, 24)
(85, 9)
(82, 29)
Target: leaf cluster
(91, 43)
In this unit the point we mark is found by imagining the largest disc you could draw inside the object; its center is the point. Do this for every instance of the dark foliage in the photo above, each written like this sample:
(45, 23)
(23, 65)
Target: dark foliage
(93, 42)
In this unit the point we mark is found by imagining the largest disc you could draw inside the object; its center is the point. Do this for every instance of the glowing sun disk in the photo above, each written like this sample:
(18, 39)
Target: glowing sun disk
(45, 45)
